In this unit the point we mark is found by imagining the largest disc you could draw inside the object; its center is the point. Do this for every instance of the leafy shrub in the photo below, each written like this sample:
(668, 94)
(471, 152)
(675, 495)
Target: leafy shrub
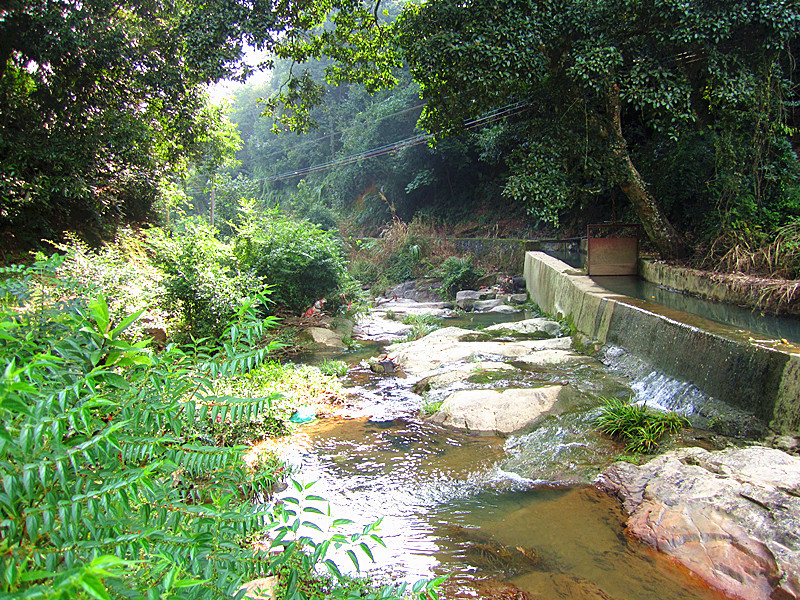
(642, 428)
(458, 274)
(108, 492)
(203, 281)
(301, 262)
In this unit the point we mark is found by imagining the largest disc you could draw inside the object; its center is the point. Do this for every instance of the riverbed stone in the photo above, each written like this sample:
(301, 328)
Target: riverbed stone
(466, 299)
(504, 309)
(499, 411)
(732, 516)
(487, 305)
(528, 326)
(460, 372)
(554, 357)
(261, 589)
(327, 338)
(428, 289)
(445, 347)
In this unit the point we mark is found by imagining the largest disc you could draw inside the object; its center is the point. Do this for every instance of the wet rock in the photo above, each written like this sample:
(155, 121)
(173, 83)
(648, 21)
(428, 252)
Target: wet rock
(461, 372)
(554, 357)
(325, 337)
(466, 299)
(787, 443)
(504, 308)
(487, 305)
(551, 328)
(451, 345)
(518, 298)
(502, 411)
(389, 308)
(732, 516)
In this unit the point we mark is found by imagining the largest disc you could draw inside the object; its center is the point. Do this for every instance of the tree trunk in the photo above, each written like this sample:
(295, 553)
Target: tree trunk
(668, 242)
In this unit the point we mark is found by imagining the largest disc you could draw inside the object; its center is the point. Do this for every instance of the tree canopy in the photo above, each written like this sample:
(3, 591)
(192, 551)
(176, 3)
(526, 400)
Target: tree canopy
(100, 100)
(613, 88)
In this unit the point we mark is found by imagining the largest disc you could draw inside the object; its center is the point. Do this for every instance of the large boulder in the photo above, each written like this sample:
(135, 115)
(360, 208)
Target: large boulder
(546, 327)
(732, 517)
(499, 411)
(466, 299)
(451, 345)
(419, 290)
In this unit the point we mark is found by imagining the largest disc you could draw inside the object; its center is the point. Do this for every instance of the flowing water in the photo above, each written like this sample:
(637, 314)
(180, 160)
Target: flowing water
(499, 515)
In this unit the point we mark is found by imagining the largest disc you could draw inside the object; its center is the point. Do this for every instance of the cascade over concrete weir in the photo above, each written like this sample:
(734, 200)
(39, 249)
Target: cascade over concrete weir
(760, 377)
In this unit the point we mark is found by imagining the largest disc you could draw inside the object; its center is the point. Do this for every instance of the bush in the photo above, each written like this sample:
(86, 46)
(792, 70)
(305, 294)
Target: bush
(203, 282)
(459, 274)
(301, 262)
(107, 492)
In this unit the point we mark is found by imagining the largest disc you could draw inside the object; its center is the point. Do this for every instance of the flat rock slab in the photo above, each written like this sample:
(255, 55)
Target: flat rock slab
(732, 517)
(443, 347)
(551, 328)
(496, 411)
(459, 373)
(553, 357)
(325, 337)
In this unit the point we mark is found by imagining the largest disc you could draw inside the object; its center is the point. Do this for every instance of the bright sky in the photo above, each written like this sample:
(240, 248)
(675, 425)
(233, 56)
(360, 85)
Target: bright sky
(226, 88)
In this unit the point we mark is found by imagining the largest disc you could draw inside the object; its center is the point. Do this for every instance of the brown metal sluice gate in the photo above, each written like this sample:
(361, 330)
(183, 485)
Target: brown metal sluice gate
(612, 249)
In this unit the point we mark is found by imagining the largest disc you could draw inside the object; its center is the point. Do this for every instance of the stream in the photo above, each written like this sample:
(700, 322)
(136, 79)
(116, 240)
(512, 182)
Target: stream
(504, 517)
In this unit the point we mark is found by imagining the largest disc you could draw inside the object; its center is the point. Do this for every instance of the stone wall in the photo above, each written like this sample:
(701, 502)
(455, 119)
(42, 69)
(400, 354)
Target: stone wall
(761, 379)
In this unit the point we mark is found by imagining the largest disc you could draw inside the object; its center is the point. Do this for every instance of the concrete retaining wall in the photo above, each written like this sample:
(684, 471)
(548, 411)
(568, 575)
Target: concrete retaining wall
(721, 287)
(763, 380)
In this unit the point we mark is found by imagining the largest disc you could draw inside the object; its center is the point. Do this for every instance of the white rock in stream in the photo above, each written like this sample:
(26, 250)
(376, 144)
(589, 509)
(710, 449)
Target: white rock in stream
(444, 346)
(551, 328)
(497, 411)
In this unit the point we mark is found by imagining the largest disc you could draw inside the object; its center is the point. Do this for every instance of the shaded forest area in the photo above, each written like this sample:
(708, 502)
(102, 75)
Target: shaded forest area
(486, 119)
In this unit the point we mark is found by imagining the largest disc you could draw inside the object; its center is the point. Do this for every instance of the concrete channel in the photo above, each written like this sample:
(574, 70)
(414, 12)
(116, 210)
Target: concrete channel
(761, 377)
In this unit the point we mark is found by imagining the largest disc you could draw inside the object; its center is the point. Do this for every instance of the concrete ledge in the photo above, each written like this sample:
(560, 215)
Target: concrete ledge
(759, 378)
(718, 286)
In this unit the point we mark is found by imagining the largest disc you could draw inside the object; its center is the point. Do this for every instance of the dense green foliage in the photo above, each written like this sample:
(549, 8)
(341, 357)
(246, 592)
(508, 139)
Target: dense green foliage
(366, 164)
(204, 283)
(112, 487)
(699, 96)
(458, 274)
(101, 103)
(301, 262)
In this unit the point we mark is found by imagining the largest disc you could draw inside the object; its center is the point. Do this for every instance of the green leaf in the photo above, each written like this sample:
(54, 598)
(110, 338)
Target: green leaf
(94, 587)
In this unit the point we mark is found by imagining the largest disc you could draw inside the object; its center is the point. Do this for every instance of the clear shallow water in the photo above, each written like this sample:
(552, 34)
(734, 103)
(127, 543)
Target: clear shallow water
(449, 507)
(483, 508)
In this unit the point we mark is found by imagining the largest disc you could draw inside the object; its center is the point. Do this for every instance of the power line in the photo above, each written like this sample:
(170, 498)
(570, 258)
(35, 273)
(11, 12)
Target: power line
(496, 115)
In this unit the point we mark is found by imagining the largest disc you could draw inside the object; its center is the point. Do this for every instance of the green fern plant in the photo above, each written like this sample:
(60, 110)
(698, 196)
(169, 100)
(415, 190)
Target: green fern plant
(107, 492)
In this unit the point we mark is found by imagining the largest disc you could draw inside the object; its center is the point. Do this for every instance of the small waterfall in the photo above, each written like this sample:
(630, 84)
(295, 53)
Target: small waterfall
(662, 392)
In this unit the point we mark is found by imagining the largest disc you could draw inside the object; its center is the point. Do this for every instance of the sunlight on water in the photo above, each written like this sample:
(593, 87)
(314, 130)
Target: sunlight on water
(449, 507)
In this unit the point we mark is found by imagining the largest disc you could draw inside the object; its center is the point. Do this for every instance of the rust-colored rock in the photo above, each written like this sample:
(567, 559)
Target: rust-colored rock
(732, 517)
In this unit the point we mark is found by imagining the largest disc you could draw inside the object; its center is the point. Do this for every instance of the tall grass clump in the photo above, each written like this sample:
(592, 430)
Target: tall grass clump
(641, 428)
